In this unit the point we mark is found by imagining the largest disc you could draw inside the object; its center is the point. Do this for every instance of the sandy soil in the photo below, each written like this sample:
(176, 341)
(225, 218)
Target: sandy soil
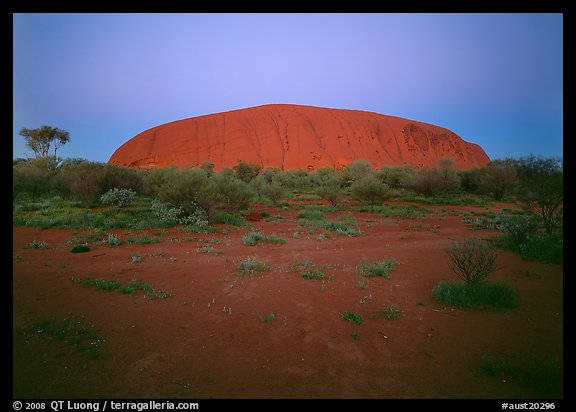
(188, 346)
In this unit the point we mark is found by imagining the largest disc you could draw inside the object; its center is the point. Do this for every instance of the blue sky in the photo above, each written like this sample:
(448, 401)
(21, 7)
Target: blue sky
(494, 79)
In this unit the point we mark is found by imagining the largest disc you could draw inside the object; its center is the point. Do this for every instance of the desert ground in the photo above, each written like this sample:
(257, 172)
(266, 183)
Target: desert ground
(274, 334)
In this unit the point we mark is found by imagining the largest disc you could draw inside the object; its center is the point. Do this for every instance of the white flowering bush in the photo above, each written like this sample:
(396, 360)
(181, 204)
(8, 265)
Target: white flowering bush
(118, 197)
(518, 228)
(176, 215)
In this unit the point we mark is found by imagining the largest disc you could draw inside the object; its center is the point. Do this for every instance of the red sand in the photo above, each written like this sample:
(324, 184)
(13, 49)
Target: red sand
(296, 137)
(187, 346)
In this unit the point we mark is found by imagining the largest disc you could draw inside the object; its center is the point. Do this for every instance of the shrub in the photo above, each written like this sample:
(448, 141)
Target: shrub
(377, 269)
(479, 295)
(80, 249)
(328, 182)
(356, 170)
(252, 266)
(118, 197)
(113, 240)
(246, 171)
(390, 312)
(186, 189)
(518, 228)
(252, 238)
(83, 181)
(39, 245)
(273, 191)
(314, 274)
(471, 260)
(235, 193)
(497, 179)
(176, 215)
(352, 317)
(370, 189)
(397, 176)
(426, 182)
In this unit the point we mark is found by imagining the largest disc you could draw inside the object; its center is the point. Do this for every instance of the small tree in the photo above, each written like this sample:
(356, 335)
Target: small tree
(448, 175)
(83, 181)
(235, 193)
(356, 170)
(397, 176)
(328, 182)
(426, 182)
(246, 171)
(371, 190)
(42, 139)
(471, 260)
(272, 191)
(118, 197)
(497, 179)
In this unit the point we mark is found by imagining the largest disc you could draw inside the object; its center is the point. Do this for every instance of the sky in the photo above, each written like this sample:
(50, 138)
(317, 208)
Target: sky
(493, 79)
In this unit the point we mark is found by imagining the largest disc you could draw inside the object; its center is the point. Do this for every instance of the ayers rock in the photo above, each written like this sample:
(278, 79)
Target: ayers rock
(289, 136)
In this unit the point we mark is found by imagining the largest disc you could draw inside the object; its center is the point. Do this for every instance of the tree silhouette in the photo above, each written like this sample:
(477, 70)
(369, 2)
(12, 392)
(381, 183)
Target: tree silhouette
(42, 139)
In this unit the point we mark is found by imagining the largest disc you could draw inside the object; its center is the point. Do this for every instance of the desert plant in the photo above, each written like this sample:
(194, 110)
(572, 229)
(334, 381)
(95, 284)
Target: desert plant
(235, 193)
(75, 330)
(39, 245)
(252, 266)
(390, 312)
(269, 317)
(356, 170)
(113, 240)
(479, 295)
(426, 182)
(518, 228)
(118, 197)
(80, 249)
(328, 182)
(252, 238)
(187, 189)
(370, 189)
(272, 191)
(382, 268)
(246, 171)
(352, 317)
(471, 260)
(313, 274)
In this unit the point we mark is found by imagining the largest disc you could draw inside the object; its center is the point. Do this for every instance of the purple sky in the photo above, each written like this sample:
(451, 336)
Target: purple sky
(494, 79)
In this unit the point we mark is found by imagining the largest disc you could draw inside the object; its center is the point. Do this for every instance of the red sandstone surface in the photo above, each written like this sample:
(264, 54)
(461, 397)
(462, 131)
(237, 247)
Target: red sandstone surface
(296, 137)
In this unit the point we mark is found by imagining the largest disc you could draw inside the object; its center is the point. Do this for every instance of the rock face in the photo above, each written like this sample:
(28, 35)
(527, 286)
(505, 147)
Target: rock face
(296, 137)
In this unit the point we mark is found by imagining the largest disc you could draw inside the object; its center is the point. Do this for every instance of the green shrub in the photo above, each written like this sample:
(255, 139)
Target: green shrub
(252, 266)
(301, 265)
(252, 238)
(235, 193)
(275, 239)
(314, 274)
(39, 245)
(370, 189)
(479, 295)
(390, 312)
(273, 191)
(518, 228)
(80, 249)
(377, 269)
(539, 247)
(352, 317)
(311, 215)
(74, 330)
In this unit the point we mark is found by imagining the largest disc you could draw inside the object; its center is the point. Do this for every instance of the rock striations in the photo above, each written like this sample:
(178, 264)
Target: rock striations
(289, 136)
